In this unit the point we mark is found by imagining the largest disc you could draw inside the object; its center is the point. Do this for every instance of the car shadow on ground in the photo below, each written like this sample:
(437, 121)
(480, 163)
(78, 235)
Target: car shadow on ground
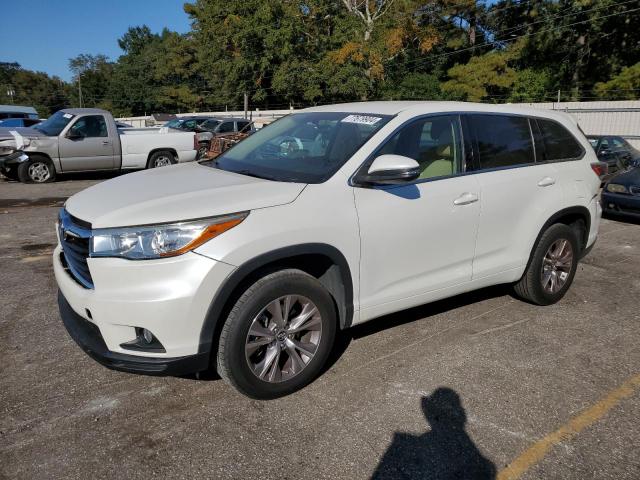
(621, 219)
(422, 312)
(63, 177)
(444, 452)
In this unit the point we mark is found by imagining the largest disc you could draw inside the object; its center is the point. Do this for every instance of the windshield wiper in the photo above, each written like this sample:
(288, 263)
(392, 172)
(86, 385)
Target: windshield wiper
(249, 173)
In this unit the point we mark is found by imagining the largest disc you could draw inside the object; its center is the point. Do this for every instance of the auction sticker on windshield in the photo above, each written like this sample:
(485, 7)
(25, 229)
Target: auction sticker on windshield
(363, 119)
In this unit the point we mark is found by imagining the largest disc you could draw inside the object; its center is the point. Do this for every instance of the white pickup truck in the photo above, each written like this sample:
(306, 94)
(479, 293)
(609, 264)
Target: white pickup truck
(87, 139)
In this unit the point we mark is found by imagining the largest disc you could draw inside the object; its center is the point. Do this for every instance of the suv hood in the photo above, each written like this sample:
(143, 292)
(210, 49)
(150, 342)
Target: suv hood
(176, 193)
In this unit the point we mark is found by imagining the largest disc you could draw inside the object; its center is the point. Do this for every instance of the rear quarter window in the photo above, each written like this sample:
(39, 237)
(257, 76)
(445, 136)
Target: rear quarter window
(502, 140)
(559, 143)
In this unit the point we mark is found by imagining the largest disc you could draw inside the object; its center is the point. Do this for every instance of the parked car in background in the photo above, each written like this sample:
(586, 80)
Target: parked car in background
(327, 218)
(615, 151)
(87, 139)
(17, 111)
(19, 122)
(621, 194)
(209, 127)
(123, 125)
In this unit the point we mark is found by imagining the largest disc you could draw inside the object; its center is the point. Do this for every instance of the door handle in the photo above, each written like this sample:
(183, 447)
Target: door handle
(546, 182)
(466, 199)
(106, 142)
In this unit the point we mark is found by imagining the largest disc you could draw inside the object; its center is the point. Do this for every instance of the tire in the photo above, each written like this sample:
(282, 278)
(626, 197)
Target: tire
(242, 356)
(38, 169)
(203, 149)
(161, 158)
(548, 277)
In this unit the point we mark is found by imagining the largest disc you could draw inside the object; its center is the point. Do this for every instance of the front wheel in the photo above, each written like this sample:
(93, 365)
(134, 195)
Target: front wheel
(37, 169)
(162, 158)
(277, 336)
(552, 266)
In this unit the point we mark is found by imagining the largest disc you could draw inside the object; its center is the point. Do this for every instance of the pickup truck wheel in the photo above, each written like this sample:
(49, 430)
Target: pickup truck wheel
(203, 149)
(38, 169)
(552, 267)
(162, 158)
(278, 335)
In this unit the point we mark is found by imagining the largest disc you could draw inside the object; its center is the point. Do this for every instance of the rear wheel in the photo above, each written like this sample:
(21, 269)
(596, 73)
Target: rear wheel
(552, 267)
(38, 169)
(161, 158)
(277, 336)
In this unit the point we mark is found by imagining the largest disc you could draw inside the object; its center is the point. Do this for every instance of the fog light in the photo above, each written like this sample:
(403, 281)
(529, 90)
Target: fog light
(611, 205)
(144, 341)
(147, 335)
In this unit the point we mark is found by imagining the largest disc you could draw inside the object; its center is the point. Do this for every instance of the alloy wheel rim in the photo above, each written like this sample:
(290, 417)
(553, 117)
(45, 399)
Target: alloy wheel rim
(283, 338)
(162, 161)
(39, 172)
(556, 266)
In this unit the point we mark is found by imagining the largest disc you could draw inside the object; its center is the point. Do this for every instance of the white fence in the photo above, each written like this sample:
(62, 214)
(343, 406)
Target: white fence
(595, 118)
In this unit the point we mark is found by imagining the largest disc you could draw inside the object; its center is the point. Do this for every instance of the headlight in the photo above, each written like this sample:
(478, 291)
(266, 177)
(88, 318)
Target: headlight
(158, 241)
(616, 188)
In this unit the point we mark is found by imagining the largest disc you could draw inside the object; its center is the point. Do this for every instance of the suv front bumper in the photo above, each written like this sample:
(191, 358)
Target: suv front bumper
(169, 297)
(88, 337)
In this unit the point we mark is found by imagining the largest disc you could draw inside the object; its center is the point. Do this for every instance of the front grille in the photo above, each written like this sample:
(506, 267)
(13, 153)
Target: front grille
(74, 239)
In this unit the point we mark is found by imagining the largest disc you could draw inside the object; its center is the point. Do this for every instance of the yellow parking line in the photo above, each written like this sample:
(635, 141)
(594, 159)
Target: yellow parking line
(538, 450)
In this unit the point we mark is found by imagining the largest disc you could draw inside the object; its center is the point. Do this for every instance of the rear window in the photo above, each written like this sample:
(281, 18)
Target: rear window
(558, 143)
(502, 140)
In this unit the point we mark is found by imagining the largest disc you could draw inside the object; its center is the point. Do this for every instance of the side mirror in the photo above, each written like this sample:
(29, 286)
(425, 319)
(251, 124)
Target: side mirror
(391, 170)
(74, 135)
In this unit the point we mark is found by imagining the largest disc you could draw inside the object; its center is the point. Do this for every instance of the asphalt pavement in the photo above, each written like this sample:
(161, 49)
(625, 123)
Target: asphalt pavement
(479, 386)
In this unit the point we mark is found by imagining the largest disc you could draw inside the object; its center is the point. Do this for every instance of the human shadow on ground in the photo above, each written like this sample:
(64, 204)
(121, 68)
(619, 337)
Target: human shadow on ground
(443, 452)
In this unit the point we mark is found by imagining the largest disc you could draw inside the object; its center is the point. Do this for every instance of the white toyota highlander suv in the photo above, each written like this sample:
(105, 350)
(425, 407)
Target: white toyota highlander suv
(327, 218)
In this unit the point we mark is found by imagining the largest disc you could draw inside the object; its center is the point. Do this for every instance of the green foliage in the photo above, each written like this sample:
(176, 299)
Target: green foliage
(47, 94)
(623, 86)
(531, 86)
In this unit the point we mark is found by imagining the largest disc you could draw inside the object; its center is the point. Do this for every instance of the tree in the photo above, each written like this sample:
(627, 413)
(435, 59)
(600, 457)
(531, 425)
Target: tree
(92, 76)
(624, 86)
(46, 94)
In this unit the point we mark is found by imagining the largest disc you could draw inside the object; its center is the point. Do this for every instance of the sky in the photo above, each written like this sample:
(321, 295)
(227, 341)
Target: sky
(43, 35)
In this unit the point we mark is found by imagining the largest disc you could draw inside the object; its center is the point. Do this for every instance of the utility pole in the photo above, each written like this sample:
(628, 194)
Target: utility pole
(79, 90)
(558, 96)
(246, 104)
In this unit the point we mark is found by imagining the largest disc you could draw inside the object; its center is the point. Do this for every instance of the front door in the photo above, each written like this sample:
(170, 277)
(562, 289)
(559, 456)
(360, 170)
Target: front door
(420, 237)
(87, 145)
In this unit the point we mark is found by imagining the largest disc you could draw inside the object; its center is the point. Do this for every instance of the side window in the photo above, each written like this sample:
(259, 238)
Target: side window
(559, 144)
(226, 127)
(433, 142)
(502, 140)
(210, 124)
(242, 125)
(90, 126)
(189, 124)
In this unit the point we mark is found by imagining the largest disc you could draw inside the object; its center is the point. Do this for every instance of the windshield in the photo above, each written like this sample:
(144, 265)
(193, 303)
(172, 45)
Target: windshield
(177, 123)
(301, 147)
(53, 125)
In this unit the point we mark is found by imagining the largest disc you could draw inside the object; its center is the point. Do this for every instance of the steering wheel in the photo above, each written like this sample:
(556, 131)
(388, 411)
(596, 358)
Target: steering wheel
(290, 145)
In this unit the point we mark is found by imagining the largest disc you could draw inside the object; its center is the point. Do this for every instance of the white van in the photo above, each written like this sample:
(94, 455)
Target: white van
(329, 217)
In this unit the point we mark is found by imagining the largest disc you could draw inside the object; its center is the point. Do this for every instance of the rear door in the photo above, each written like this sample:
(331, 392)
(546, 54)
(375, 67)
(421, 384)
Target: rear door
(86, 145)
(518, 194)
